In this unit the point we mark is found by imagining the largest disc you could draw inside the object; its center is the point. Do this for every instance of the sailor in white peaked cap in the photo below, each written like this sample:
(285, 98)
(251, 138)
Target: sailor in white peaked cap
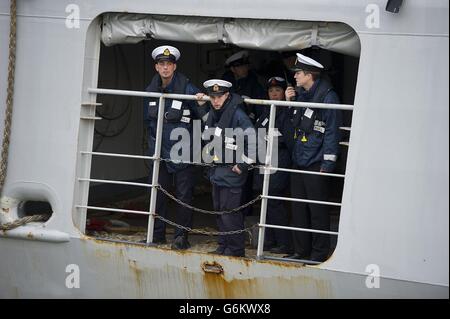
(316, 147)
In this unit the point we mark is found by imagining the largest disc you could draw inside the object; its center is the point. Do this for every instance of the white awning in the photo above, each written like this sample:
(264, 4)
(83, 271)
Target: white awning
(246, 33)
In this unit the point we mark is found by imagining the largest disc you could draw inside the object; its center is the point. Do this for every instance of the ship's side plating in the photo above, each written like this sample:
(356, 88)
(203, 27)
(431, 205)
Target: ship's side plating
(395, 201)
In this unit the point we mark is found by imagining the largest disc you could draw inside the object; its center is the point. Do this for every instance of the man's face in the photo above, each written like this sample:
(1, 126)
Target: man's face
(276, 93)
(302, 79)
(218, 101)
(165, 69)
(240, 71)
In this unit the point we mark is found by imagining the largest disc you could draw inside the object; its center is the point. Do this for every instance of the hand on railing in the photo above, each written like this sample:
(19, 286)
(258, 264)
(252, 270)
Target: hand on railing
(236, 169)
(200, 100)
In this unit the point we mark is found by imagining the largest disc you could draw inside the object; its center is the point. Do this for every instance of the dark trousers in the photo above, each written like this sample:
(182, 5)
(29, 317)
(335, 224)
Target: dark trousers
(225, 198)
(247, 195)
(277, 215)
(184, 184)
(311, 216)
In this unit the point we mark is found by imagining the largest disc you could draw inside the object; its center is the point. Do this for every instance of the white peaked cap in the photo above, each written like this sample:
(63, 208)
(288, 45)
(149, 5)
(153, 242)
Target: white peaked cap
(241, 55)
(212, 82)
(306, 63)
(166, 52)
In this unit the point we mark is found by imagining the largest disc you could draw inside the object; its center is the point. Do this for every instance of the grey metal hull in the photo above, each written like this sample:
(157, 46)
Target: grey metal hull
(114, 270)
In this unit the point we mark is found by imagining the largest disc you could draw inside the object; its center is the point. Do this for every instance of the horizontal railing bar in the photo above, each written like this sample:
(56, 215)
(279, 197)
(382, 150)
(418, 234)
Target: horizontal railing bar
(145, 94)
(91, 104)
(118, 155)
(345, 128)
(309, 201)
(302, 171)
(344, 143)
(116, 210)
(307, 230)
(96, 118)
(114, 182)
(344, 107)
(303, 261)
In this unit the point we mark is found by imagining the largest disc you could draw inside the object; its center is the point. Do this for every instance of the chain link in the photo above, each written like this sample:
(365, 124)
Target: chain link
(22, 221)
(168, 160)
(204, 211)
(205, 232)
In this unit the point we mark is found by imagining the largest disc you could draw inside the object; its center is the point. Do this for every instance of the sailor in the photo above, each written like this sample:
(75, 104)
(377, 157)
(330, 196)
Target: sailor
(234, 150)
(279, 241)
(244, 81)
(316, 145)
(177, 114)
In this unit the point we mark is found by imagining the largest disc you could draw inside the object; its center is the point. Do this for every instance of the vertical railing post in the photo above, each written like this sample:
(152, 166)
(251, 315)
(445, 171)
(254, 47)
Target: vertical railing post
(155, 175)
(265, 190)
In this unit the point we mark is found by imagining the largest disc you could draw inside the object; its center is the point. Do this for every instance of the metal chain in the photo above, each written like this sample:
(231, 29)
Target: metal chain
(204, 211)
(250, 167)
(204, 232)
(22, 221)
(9, 95)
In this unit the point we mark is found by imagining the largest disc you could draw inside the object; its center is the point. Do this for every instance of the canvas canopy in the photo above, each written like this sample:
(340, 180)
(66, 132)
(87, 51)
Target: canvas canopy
(278, 35)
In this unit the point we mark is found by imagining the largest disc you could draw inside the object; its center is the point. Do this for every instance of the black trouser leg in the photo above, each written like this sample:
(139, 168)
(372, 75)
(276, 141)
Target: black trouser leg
(184, 184)
(312, 187)
(247, 195)
(300, 217)
(231, 198)
(164, 179)
(278, 215)
(317, 189)
(221, 240)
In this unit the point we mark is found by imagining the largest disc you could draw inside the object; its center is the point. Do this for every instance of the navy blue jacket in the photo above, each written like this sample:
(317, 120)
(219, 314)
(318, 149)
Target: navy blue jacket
(178, 114)
(247, 87)
(231, 116)
(278, 180)
(317, 134)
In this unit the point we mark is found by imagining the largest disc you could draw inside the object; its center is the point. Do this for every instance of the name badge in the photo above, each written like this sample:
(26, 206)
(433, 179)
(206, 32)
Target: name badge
(176, 105)
(185, 119)
(319, 129)
(218, 131)
(152, 103)
(308, 113)
(265, 122)
(229, 139)
(231, 146)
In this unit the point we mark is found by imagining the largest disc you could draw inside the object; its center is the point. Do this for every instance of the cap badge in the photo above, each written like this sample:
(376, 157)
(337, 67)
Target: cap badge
(215, 88)
(166, 52)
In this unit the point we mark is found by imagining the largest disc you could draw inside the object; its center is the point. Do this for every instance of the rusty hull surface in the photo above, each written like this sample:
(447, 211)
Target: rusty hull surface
(120, 270)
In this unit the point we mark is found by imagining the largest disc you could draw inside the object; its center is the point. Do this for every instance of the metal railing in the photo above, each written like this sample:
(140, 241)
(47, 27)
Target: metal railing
(156, 158)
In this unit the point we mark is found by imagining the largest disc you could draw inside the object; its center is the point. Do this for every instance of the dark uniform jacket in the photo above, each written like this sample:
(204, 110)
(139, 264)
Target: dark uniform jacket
(316, 133)
(230, 116)
(247, 87)
(177, 113)
(278, 180)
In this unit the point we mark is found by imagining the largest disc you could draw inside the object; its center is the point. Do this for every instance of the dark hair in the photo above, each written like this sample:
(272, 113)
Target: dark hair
(314, 74)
